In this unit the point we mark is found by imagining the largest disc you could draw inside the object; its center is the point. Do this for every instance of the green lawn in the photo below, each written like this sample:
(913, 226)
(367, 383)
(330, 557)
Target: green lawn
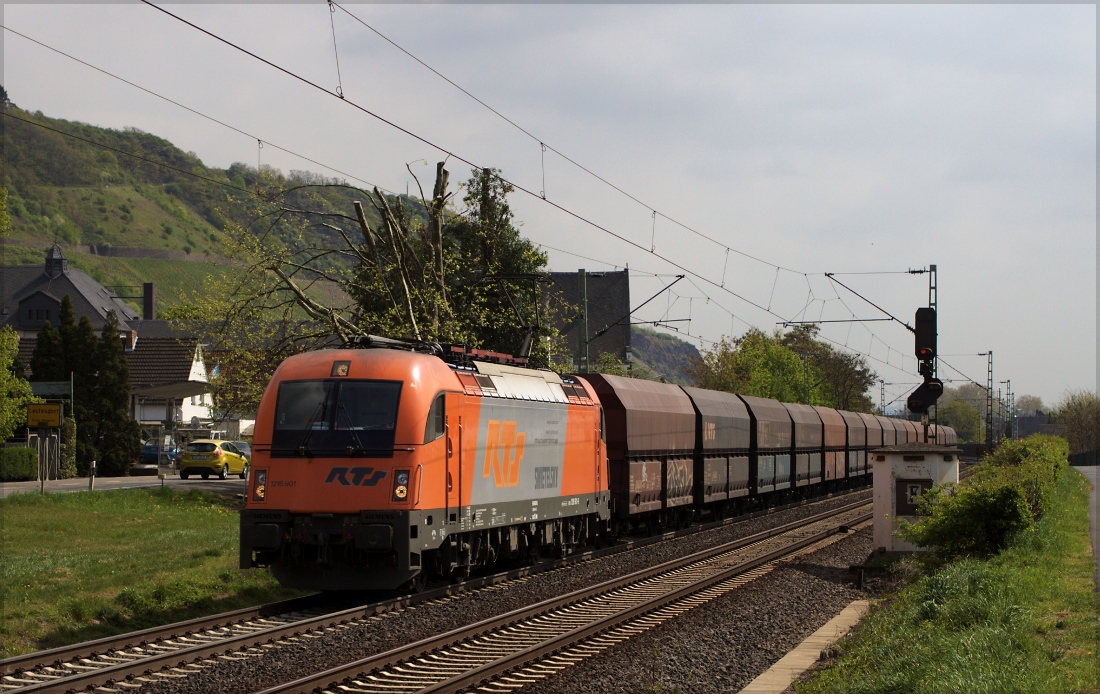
(1023, 621)
(79, 566)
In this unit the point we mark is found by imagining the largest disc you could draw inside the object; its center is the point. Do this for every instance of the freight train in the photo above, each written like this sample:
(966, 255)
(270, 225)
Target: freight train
(375, 468)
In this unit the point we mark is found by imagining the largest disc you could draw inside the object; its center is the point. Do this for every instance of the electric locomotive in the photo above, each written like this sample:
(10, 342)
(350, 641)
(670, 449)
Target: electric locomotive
(374, 468)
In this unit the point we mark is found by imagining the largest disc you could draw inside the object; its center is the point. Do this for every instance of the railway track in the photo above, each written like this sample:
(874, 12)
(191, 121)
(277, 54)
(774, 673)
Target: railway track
(550, 635)
(177, 650)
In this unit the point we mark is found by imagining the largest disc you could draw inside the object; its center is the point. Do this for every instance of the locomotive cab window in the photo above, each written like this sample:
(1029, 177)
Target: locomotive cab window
(436, 419)
(603, 426)
(335, 418)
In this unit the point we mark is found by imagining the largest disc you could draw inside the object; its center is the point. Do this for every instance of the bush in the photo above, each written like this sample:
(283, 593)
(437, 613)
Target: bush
(1008, 492)
(18, 464)
(1033, 464)
(973, 521)
(68, 448)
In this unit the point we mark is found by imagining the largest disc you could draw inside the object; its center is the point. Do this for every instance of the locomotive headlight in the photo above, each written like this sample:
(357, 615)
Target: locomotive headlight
(400, 485)
(259, 485)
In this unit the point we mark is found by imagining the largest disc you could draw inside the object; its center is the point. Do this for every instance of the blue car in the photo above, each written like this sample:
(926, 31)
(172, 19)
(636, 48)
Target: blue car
(151, 449)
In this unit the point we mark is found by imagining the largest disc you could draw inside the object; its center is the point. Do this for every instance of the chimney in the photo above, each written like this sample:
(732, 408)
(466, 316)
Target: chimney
(149, 301)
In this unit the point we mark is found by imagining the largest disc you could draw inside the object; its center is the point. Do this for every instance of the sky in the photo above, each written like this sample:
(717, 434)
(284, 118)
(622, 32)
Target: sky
(753, 148)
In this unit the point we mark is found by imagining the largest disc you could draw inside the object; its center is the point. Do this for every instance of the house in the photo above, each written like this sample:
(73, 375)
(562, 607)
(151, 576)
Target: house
(168, 379)
(32, 296)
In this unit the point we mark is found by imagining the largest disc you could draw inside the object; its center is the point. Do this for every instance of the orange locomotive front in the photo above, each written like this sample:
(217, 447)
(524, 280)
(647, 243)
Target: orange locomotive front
(373, 468)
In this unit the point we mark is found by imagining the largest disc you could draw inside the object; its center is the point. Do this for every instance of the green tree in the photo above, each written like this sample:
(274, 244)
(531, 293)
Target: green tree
(118, 439)
(393, 266)
(68, 447)
(844, 374)
(66, 325)
(15, 392)
(466, 277)
(608, 363)
(81, 349)
(964, 419)
(718, 368)
(5, 220)
(761, 365)
(48, 358)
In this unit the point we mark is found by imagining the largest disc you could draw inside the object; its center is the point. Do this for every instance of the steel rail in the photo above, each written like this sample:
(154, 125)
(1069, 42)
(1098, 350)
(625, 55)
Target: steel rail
(117, 658)
(322, 680)
(538, 651)
(18, 673)
(86, 649)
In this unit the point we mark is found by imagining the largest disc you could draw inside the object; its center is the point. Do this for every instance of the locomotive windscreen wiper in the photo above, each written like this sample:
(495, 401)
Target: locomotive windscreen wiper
(319, 410)
(351, 427)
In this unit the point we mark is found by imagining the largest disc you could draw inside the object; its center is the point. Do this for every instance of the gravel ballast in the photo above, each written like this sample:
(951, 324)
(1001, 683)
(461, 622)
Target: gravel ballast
(725, 644)
(288, 662)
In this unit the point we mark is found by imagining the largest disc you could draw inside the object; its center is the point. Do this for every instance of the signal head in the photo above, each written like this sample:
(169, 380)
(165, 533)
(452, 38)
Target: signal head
(925, 331)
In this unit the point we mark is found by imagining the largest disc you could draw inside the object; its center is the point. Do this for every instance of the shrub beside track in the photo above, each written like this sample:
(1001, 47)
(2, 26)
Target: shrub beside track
(1024, 619)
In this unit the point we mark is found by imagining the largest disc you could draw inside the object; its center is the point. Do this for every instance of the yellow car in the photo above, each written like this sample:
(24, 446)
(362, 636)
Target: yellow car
(206, 457)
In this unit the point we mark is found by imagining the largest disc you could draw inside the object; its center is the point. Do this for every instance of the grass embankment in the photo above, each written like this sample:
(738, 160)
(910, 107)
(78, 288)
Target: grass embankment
(80, 566)
(1024, 620)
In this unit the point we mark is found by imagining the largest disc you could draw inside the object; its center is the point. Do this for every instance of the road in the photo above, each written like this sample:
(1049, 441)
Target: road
(228, 487)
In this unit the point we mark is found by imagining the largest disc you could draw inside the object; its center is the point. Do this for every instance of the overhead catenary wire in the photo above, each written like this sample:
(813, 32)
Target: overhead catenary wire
(260, 141)
(575, 215)
(556, 151)
(516, 186)
(224, 184)
(212, 119)
(335, 49)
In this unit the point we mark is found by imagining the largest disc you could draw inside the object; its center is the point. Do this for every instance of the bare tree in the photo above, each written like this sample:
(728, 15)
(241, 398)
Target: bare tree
(1078, 418)
(308, 274)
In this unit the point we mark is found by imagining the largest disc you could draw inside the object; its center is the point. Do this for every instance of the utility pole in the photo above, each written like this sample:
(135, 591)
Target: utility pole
(989, 402)
(933, 303)
(1010, 409)
(882, 396)
(583, 358)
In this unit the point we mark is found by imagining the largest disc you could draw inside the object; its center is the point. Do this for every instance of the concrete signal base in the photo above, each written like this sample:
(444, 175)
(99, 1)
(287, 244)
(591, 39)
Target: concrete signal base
(902, 474)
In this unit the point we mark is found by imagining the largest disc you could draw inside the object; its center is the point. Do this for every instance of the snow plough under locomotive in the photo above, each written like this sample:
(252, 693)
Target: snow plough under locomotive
(377, 467)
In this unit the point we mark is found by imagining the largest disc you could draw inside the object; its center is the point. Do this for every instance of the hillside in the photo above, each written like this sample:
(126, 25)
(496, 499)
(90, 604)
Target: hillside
(126, 220)
(665, 354)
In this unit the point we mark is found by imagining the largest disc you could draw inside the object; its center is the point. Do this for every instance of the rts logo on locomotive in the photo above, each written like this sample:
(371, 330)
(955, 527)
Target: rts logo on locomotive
(358, 476)
(503, 453)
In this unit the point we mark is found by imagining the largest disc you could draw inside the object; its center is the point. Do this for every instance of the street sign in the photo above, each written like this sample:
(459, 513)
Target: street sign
(44, 415)
(51, 389)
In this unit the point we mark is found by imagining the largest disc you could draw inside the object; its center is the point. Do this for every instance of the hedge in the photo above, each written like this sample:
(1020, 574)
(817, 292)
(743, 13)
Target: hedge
(18, 464)
(1008, 493)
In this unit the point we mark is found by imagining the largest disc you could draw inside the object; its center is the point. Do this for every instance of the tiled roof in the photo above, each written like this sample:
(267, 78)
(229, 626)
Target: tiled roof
(154, 361)
(90, 298)
(160, 360)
